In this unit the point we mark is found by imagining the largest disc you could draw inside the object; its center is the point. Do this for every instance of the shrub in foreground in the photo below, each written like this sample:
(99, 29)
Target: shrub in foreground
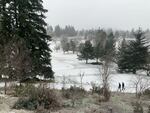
(23, 90)
(137, 108)
(38, 97)
(74, 93)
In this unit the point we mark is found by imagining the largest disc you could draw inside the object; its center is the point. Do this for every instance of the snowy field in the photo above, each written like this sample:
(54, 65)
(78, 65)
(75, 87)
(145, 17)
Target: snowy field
(67, 69)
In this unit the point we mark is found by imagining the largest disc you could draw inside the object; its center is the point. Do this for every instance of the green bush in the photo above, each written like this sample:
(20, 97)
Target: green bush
(75, 94)
(23, 90)
(26, 103)
(148, 109)
(147, 92)
(137, 108)
(73, 91)
(97, 89)
(39, 97)
(42, 110)
(104, 92)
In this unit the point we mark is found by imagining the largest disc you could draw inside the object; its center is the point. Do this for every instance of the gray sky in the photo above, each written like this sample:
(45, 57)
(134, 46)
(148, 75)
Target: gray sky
(116, 14)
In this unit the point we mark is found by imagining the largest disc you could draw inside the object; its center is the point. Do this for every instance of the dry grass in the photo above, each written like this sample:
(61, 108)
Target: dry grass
(119, 102)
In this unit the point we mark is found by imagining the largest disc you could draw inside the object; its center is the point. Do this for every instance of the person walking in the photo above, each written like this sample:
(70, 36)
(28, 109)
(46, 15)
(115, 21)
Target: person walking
(123, 86)
(119, 87)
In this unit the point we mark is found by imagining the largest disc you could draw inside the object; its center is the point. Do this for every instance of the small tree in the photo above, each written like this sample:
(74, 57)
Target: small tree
(72, 46)
(86, 52)
(65, 45)
(140, 83)
(99, 42)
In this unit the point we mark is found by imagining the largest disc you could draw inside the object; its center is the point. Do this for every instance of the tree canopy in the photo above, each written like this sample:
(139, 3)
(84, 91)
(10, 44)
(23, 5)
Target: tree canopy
(24, 28)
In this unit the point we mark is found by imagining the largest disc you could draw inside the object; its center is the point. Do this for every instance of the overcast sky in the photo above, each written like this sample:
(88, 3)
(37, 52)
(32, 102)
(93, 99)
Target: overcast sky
(116, 14)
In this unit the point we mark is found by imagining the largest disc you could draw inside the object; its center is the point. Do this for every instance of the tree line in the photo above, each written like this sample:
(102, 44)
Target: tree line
(99, 48)
(70, 31)
(130, 56)
(58, 31)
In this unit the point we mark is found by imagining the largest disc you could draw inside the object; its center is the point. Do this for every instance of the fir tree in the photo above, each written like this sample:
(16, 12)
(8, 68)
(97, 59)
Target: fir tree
(138, 51)
(86, 52)
(100, 40)
(72, 46)
(108, 49)
(24, 21)
(121, 59)
(134, 57)
(65, 45)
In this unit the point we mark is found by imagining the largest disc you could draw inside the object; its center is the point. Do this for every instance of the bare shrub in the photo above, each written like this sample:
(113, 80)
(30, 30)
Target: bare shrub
(141, 83)
(95, 88)
(105, 77)
(104, 96)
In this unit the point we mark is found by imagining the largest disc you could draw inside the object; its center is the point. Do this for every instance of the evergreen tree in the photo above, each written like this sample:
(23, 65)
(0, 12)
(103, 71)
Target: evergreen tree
(69, 31)
(50, 30)
(86, 52)
(65, 45)
(108, 49)
(58, 31)
(121, 59)
(139, 52)
(72, 46)
(23, 22)
(5, 35)
(99, 42)
(135, 56)
(97, 52)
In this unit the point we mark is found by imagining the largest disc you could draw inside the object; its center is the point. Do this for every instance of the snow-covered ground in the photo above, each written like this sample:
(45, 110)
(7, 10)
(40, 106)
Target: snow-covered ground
(68, 68)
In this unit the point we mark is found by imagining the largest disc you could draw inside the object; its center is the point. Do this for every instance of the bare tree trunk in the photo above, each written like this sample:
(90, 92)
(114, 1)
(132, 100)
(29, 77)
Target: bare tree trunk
(105, 79)
(5, 89)
(86, 61)
(81, 79)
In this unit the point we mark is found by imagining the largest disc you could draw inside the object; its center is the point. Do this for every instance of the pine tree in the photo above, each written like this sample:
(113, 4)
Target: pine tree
(24, 21)
(72, 46)
(135, 56)
(97, 52)
(100, 40)
(121, 59)
(138, 52)
(58, 31)
(65, 45)
(108, 49)
(86, 52)
(5, 36)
